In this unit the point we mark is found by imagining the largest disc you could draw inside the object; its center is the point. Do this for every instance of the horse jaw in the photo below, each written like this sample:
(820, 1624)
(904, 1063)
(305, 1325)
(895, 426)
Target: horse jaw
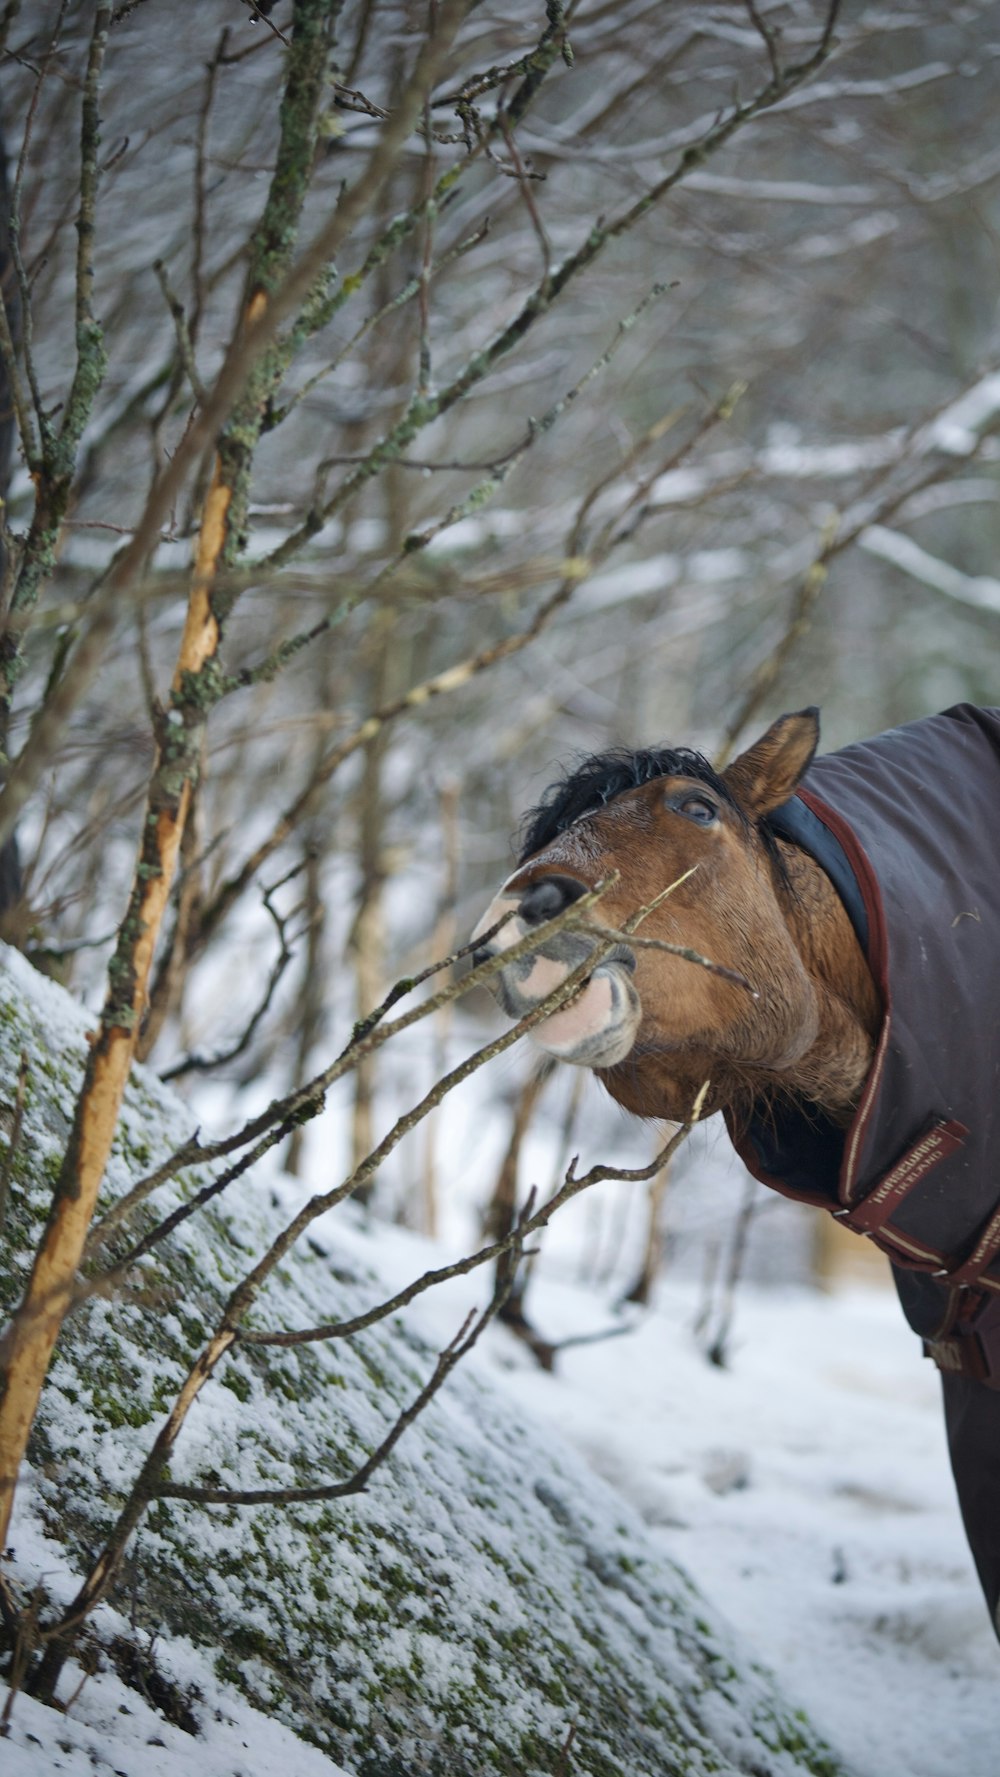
(810, 1035)
(769, 1045)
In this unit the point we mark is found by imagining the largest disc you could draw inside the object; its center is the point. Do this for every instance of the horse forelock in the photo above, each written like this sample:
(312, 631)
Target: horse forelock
(598, 780)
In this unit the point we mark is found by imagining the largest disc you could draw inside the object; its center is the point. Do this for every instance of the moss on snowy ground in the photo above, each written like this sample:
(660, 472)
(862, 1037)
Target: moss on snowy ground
(483, 1598)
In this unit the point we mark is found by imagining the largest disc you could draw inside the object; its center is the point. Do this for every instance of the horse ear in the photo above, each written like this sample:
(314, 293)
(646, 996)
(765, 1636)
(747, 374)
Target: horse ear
(767, 774)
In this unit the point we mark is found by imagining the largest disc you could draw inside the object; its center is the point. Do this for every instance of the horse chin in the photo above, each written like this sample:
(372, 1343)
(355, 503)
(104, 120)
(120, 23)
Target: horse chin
(599, 1027)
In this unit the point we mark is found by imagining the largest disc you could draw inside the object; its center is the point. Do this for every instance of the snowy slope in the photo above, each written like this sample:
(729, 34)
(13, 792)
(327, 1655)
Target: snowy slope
(486, 1600)
(805, 1487)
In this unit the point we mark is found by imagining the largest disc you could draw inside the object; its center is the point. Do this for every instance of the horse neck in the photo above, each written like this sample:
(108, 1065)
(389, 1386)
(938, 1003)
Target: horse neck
(832, 1072)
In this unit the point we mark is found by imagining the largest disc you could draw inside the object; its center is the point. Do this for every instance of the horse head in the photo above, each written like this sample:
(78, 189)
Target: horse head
(653, 1024)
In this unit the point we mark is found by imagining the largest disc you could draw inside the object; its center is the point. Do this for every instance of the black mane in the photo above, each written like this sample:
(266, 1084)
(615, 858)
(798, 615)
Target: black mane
(599, 779)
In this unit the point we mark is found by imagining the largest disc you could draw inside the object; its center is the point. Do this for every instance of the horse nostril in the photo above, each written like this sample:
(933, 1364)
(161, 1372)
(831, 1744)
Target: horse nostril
(549, 896)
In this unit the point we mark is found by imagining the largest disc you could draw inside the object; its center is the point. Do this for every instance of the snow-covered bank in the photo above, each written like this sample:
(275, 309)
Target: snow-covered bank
(111, 1730)
(487, 1603)
(806, 1488)
(517, 1557)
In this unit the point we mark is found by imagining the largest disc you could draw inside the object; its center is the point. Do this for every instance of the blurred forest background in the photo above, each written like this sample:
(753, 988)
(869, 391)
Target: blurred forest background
(543, 466)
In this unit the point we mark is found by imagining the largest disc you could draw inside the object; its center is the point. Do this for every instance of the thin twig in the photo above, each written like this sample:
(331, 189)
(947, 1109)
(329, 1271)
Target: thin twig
(769, 670)
(199, 218)
(185, 347)
(14, 1138)
(423, 410)
(204, 1064)
(717, 1347)
(45, 66)
(427, 245)
(466, 1337)
(562, 1769)
(770, 36)
(524, 184)
(242, 358)
(308, 1101)
(472, 502)
(370, 1033)
(409, 290)
(599, 1336)
(681, 950)
(259, 17)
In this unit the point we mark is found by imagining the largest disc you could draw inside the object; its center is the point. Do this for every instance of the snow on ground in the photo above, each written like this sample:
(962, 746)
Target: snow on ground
(109, 1731)
(805, 1487)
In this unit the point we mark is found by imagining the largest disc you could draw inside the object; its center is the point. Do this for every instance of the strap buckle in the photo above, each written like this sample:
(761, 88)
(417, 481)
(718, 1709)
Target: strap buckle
(968, 1354)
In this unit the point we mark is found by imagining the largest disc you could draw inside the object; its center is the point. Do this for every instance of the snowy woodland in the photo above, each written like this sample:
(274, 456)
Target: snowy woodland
(401, 399)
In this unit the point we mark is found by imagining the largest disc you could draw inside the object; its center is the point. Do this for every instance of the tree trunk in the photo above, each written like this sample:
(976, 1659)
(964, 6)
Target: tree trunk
(30, 1338)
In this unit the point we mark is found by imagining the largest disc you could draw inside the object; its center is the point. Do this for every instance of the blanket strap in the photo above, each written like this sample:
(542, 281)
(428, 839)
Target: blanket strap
(938, 1140)
(984, 1251)
(964, 1270)
(872, 1215)
(971, 1349)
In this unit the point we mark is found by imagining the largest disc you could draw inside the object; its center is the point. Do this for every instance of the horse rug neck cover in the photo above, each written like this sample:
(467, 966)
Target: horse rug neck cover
(908, 828)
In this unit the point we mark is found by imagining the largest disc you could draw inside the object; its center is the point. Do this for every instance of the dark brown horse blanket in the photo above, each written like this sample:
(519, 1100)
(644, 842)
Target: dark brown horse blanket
(908, 827)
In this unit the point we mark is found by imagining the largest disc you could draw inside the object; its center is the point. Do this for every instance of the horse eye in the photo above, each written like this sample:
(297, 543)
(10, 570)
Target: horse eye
(698, 808)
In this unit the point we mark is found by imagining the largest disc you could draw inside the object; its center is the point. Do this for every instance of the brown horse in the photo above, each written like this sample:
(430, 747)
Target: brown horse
(853, 1045)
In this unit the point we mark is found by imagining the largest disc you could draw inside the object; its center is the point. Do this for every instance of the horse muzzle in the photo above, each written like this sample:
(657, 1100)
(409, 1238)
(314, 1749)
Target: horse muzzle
(599, 1025)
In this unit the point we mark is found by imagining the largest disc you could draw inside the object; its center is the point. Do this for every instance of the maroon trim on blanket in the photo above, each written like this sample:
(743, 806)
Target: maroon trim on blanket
(870, 1215)
(877, 959)
(878, 962)
(857, 857)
